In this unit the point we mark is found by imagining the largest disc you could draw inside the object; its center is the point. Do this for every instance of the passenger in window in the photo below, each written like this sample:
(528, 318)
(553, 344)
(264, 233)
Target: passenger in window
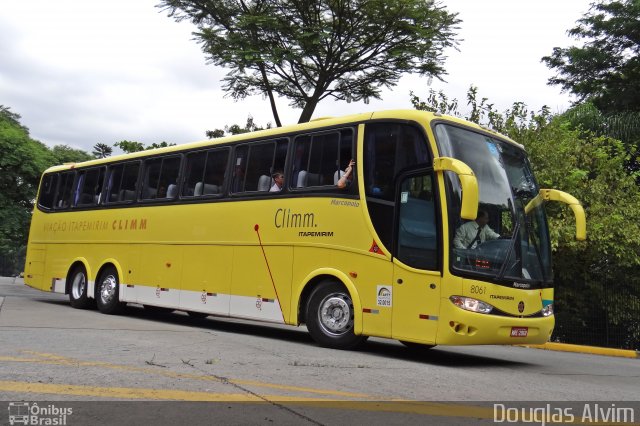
(278, 179)
(347, 177)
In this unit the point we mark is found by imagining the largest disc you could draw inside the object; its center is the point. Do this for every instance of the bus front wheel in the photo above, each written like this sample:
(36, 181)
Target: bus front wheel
(330, 317)
(78, 289)
(107, 297)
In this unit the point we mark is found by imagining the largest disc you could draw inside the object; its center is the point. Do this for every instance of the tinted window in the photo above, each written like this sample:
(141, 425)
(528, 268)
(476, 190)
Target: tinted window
(389, 148)
(205, 172)
(161, 178)
(256, 164)
(88, 187)
(122, 181)
(48, 190)
(417, 224)
(319, 159)
(63, 196)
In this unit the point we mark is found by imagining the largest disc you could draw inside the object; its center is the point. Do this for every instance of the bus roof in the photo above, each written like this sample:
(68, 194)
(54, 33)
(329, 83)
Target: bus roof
(407, 114)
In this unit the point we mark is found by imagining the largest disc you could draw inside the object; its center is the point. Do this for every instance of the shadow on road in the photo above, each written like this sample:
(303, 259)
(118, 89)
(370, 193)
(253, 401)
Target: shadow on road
(440, 356)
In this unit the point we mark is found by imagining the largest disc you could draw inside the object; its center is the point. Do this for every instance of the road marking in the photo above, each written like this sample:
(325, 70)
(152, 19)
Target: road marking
(138, 393)
(410, 407)
(53, 359)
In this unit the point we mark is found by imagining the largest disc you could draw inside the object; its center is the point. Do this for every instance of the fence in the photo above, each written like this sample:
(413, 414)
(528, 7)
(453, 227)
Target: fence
(608, 316)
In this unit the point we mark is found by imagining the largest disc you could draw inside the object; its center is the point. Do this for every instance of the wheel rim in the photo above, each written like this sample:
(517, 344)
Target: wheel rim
(108, 289)
(335, 314)
(79, 285)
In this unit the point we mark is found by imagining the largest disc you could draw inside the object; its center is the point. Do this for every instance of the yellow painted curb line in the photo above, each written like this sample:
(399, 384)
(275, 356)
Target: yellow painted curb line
(565, 347)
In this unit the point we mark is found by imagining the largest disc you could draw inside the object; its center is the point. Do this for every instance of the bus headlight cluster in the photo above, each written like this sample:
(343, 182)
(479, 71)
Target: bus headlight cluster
(547, 310)
(469, 304)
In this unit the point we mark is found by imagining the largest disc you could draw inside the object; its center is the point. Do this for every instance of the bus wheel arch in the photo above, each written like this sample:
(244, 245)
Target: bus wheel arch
(325, 295)
(107, 288)
(77, 285)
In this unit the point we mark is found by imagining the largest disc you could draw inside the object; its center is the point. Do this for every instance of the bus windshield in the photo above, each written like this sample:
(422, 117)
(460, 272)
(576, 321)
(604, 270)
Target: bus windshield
(504, 243)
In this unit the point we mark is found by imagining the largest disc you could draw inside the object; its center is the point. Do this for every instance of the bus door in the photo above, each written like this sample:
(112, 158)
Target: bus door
(416, 271)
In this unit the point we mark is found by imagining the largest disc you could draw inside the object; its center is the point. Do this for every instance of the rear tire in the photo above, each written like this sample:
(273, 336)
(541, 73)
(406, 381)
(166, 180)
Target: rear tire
(78, 289)
(108, 292)
(330, 317)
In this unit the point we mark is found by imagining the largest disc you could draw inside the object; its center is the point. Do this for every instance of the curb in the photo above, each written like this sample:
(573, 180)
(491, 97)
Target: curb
(565, 347)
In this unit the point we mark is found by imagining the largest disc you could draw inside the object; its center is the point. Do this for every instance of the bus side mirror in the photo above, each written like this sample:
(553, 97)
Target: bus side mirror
(563, 197)
(468, 182)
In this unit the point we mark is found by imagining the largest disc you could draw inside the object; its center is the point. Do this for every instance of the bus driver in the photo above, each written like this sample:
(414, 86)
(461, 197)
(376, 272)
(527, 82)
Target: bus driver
(474, 232)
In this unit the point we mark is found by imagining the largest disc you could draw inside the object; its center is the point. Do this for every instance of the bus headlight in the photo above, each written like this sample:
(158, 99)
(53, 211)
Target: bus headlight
(547, 310)
(470, 304)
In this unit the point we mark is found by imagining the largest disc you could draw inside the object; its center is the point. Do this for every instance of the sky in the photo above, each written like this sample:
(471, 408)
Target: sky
(87, 72)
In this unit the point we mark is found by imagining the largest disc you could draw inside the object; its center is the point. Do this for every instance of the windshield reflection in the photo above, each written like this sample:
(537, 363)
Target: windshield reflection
(504, 242)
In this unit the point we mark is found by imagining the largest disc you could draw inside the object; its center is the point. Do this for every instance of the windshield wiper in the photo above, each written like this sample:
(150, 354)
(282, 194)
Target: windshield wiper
(512, 245)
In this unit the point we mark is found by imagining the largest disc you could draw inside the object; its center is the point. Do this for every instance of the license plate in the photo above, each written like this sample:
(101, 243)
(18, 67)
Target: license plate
(519, 331)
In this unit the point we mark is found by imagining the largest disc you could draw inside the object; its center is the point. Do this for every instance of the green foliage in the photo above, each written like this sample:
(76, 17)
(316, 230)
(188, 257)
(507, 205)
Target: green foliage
(308, 50)
(22, 160)
(132, 146)
(592, 168)
(236, 129)
(129, 146)
(65, 154)
(102, 150)
(606, 68)
(162, 144)
(623, 126)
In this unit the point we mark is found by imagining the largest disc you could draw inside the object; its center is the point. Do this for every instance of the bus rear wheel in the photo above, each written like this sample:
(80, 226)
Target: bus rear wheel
(78, 289)
(330, 317)
(107, 294)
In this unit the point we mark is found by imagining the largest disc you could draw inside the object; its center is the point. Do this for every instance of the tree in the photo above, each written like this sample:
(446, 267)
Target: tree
(623, 126)
(22, 161)
(308, 50)
(129, 146)
(236, 129)
(133, 146)
(606, 69)
(102, 150)
(65, 154)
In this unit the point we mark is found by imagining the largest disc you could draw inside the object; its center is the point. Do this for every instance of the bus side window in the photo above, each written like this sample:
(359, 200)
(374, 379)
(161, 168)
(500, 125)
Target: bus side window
(88, 187)
(160, 176)
(320, 158)
(48, 190)
(256, 163)
(194, 174)
(63, 197)
(122, 181)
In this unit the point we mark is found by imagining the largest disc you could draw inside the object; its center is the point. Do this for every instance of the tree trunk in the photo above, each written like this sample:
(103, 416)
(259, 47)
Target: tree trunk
(272, 101)
(307, 111)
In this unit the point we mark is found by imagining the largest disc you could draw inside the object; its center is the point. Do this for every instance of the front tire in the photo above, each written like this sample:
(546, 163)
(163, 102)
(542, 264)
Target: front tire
(330, 317)
(78, 289)
(108, 290)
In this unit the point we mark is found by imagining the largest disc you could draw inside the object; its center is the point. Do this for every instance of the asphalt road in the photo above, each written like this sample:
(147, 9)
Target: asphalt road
(252, 373)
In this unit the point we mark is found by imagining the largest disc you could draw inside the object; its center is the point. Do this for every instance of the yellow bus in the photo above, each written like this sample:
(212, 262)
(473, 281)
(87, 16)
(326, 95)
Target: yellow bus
(364, 236)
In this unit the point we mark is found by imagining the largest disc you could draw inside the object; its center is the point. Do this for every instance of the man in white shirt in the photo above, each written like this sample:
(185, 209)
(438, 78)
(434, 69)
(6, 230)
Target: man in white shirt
(278, 179)
(474, 232)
